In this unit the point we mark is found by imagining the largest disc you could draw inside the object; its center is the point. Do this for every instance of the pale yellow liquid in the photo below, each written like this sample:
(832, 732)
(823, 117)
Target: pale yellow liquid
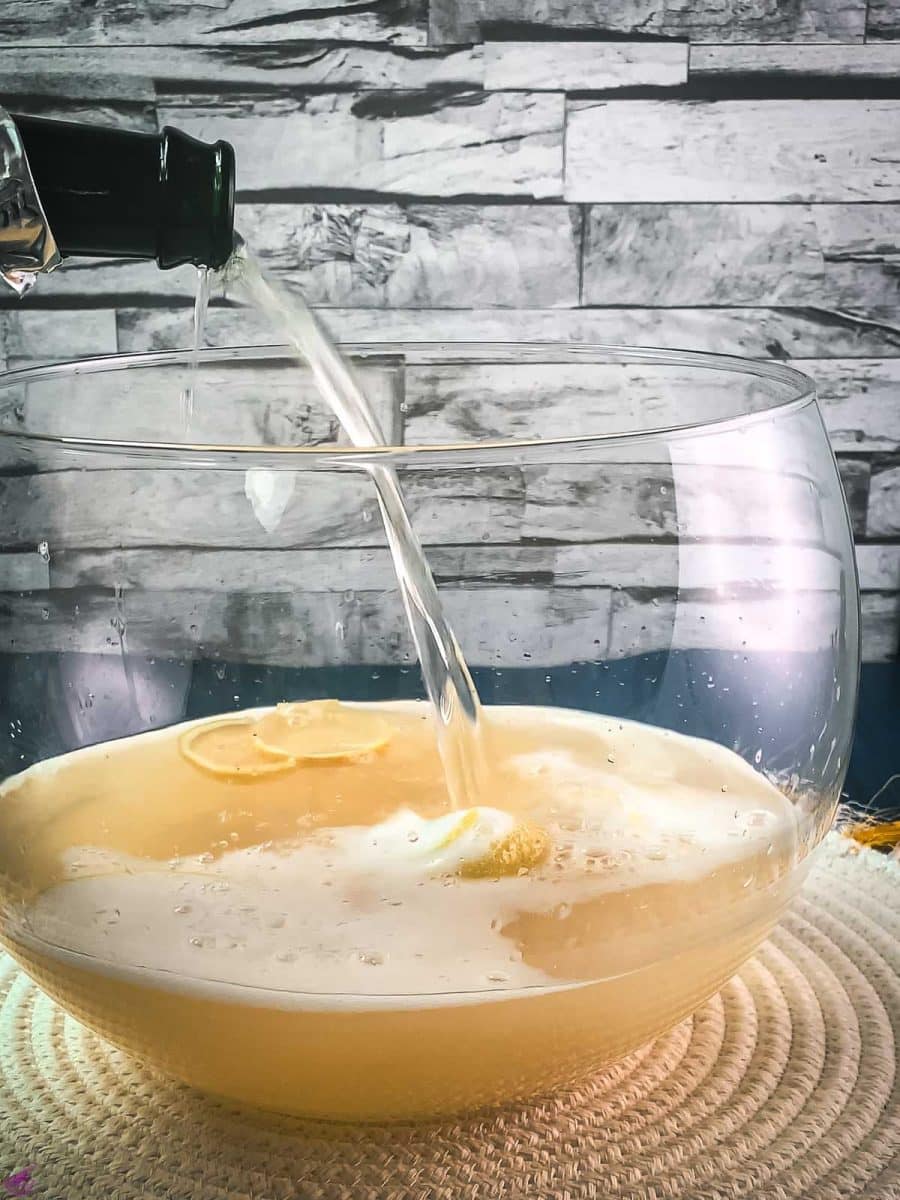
(260, 939)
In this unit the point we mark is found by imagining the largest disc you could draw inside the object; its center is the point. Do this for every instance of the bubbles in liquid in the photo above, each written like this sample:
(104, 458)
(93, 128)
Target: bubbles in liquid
(205, 942)
(371, 958)
(181, 909)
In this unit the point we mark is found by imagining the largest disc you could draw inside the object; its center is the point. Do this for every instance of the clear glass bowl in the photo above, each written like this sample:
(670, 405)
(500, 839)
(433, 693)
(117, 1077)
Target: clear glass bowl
(655, 543)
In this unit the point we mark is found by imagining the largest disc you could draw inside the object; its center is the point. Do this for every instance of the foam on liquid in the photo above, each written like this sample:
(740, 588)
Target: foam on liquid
(357, 892)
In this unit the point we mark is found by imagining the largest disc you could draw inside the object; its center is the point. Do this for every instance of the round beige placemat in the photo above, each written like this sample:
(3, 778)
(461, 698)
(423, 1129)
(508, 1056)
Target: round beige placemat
(785, 1085)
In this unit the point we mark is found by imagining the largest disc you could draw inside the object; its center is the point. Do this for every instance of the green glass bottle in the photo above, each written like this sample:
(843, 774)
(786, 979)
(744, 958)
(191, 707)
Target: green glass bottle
(121, 194)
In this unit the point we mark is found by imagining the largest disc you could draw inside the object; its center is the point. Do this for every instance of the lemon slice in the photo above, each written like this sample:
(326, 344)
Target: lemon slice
(469, 820)
(522, 848)
(483, 843)
(227, 747)
(321, 731)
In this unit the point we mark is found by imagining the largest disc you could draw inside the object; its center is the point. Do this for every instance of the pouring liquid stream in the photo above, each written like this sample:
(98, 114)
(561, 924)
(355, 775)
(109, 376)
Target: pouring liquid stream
(201, 305)
(447, 680)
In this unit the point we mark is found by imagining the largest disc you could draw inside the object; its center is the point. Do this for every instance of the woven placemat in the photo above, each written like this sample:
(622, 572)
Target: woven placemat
(785, 1085)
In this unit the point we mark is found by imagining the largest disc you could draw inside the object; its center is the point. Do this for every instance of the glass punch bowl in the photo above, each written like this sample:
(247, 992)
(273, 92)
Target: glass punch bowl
(649, 550)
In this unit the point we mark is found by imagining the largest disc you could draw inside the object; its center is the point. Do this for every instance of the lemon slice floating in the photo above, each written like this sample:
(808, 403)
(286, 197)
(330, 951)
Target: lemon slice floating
(482, 843)
(228, 748)
(321, 731)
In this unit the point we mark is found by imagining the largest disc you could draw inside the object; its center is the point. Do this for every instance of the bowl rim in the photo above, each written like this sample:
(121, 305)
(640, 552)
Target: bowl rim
(800, 390)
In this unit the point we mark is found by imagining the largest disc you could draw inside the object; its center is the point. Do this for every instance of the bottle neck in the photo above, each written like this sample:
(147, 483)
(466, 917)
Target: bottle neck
(111, 193)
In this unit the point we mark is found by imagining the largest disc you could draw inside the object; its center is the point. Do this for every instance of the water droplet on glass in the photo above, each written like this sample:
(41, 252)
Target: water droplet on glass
(181, 909)
(498, 977)
(44, 551)
(371, 957)
(562, 911)
(286, 956)
(757, 757)
(276, 922)
(204, 943)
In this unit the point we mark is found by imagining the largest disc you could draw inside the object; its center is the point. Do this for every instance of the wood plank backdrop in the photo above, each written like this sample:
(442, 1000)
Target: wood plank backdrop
(683, 173)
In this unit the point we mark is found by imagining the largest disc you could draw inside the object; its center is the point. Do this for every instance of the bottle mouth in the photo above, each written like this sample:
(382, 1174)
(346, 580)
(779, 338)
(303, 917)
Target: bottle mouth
(196, 219)
(222, 234)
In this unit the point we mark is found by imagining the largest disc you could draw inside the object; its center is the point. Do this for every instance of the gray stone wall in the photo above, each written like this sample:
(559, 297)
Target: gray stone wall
(703, 175)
